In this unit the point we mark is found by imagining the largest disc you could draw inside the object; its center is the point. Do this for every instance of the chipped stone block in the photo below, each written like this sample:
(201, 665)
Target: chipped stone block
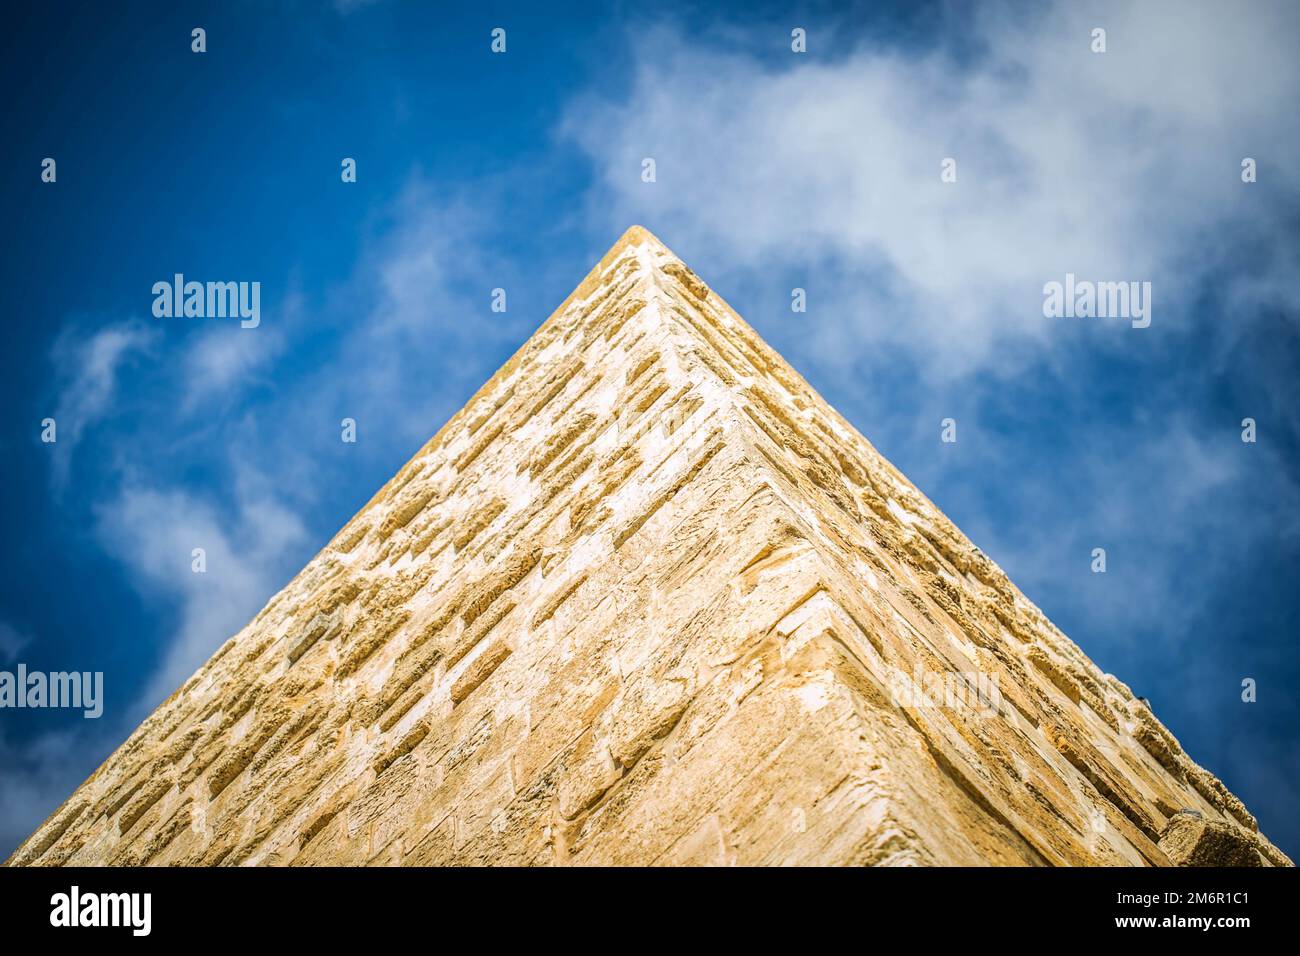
(1190, 839)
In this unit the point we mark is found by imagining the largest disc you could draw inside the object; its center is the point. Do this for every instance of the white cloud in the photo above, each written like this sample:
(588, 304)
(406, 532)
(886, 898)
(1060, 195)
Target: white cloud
(86, 373)
(223, 359)
(418, 303)
(154, 532)
(1123, 165)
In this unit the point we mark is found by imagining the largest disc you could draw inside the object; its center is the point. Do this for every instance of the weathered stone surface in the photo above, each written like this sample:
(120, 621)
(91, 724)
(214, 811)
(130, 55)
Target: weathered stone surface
(647, 599)
(1190, 839)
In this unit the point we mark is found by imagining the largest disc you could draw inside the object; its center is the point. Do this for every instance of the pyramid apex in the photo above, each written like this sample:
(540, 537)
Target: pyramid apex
(639, 235)
(635, 233)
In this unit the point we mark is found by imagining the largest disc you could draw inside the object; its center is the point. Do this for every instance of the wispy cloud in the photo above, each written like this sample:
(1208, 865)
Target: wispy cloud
(417, 301)
(226, 358)
(154, 532)
(37, 773)
(1122, 165)
(1153, 497)
(87, 372)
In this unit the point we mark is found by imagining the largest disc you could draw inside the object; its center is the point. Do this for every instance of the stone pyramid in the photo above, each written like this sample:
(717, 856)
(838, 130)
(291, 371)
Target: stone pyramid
(647, 599)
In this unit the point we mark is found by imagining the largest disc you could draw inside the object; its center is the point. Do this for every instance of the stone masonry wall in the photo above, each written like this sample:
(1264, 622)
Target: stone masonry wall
(647, 599)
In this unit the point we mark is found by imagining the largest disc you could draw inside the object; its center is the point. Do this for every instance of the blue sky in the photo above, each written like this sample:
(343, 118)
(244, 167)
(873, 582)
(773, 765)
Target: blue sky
(478, 171)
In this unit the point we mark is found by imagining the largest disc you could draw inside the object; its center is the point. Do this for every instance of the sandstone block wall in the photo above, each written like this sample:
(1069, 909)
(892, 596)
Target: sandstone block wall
(647, 599)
